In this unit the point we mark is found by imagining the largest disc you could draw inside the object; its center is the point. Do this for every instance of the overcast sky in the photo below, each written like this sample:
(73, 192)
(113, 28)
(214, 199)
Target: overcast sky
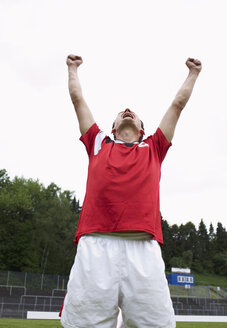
(134, 54)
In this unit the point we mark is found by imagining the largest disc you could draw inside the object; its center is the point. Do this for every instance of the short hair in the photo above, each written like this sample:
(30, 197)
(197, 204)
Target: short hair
(142, 127)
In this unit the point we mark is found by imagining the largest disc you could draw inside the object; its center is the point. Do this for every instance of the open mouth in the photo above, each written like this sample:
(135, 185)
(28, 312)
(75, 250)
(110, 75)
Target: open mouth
(128, 115)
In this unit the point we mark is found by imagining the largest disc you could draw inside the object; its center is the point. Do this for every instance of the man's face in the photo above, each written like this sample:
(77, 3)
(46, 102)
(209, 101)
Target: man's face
(127, 118)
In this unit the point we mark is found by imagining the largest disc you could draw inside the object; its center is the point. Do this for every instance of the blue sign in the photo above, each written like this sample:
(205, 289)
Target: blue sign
(180, 279)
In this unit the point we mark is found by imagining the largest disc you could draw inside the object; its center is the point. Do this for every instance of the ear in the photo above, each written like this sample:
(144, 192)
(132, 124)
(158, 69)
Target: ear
(142, 132)
(113, 131)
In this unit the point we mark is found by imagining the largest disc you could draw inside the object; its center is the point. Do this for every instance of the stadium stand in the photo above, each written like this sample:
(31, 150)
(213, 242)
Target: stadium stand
(199, 306)
(16, 306)
(16, 300)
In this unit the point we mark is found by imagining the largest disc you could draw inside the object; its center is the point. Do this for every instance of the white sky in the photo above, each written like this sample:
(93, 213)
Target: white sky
(134, 54)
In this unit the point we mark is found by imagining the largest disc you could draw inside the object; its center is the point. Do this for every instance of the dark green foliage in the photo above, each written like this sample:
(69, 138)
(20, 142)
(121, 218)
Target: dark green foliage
(184, 246)
(220, 263)
(75, 206)
(37, 226)
(221, 238)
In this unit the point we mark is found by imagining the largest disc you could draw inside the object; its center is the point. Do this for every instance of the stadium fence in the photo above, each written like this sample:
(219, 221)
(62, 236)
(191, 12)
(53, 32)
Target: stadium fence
(38, 281)
(30, 280)
(21, 292)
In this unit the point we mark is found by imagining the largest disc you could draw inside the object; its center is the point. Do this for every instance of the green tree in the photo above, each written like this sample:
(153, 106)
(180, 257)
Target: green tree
(220, 263)
(168, 246)
(75, 205)
(37, 226)
(203, 241)
(56, 226)
(211, 232)
(4, 179)
(187, 258)
(221, 238)
(15, 224)
(177, 262)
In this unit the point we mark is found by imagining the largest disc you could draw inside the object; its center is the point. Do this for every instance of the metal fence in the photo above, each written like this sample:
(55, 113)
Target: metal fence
(212, 292)
(23, 291)
(30, 280)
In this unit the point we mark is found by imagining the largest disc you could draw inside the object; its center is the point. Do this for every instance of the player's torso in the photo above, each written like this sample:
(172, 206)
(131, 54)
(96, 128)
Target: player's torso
(121, 170)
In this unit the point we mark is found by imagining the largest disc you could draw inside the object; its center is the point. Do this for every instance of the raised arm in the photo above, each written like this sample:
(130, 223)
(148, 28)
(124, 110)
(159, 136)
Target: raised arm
(83, 113)
(169, 121)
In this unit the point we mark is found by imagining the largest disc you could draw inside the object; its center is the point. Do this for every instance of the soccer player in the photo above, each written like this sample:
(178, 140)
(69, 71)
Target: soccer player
(118, 264)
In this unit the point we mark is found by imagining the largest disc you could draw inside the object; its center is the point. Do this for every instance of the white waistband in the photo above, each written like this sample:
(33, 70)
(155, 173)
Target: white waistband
(129, 235)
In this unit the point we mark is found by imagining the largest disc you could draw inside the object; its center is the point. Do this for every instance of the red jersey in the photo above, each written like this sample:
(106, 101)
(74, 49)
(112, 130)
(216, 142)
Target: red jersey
(123, 184)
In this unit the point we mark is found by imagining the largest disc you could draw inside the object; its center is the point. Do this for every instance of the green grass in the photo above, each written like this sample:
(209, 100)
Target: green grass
(19, 323)
(210, 279)
(25, 323)
(201, 324)
(197, 291)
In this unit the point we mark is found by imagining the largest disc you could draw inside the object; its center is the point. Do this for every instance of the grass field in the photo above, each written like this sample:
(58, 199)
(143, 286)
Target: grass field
(210, 279)
(19, 323)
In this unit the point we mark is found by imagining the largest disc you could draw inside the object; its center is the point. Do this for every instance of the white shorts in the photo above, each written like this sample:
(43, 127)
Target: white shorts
(111, 273)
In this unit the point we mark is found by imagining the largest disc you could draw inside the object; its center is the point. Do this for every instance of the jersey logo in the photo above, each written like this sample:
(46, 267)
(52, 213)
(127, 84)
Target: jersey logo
(143, 144)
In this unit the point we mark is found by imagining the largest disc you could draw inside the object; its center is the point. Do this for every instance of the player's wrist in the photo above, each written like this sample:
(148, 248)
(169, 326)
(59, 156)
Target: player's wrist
(72, 68)
(72, 71)
(193, 71)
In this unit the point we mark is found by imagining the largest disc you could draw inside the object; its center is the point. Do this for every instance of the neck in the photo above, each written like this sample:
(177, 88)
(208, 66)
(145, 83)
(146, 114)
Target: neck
(127, 135)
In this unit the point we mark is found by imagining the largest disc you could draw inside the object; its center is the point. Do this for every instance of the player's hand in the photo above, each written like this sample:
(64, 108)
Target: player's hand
(194, 64)
(73, 60)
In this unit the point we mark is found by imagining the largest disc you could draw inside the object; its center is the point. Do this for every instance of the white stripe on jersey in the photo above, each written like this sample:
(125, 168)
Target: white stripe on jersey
(98, 141)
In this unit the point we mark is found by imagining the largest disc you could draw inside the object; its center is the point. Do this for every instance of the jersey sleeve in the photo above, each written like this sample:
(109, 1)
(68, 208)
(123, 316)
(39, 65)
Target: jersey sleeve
(160, 143)
(88, 138)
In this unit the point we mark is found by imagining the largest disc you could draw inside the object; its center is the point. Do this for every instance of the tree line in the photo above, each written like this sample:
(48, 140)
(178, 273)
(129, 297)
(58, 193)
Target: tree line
(200, 249)
(38, 225)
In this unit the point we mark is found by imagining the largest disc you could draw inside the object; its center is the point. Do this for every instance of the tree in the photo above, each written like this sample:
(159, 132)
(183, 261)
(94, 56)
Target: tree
(187, 258)
(174, 230)
(211, 232)
(75, 205)
(15, 224)
(188, 237)
(203, 241)
(220, 263)
(4, 179)
(168, 246)
(221, 238)
(37, 226)
(56, 226)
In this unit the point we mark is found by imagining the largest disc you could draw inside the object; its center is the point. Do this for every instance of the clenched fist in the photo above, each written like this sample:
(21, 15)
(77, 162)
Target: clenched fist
(194, 64)
(73, 60)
